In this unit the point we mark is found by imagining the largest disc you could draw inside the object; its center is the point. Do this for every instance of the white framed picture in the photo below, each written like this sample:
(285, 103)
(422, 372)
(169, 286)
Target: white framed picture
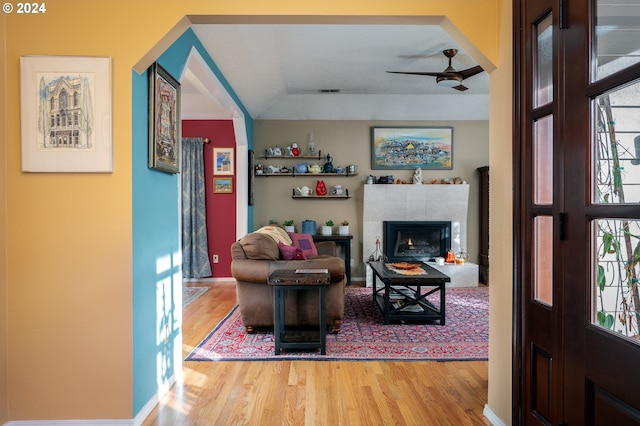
(65, 104)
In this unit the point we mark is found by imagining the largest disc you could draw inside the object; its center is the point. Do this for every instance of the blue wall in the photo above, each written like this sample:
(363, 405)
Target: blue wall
(157, 269)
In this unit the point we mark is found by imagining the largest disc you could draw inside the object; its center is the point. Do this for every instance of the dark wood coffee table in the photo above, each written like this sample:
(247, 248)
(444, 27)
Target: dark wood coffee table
(296, 338)
(404, 297)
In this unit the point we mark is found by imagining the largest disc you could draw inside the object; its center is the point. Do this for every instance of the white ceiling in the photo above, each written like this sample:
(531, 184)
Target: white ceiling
(278, 70)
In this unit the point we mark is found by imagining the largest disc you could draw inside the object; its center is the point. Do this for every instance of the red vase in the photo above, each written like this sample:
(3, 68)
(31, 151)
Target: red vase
(451, 258)
(321, 188)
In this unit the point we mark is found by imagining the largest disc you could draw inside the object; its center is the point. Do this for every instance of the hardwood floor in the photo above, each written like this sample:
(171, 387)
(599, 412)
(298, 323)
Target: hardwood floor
(314, 392)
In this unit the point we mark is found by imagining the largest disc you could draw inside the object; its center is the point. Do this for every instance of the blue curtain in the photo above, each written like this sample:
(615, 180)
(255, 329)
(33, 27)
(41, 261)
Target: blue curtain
(195, 252)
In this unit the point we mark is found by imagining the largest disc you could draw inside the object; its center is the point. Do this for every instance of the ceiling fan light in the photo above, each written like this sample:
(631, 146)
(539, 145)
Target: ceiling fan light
(451, 81)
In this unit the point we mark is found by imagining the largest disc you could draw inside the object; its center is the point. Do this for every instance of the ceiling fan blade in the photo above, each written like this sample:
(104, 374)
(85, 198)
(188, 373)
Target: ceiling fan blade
(427, 53)
(460, 87)
(470, 72)
(432, 74)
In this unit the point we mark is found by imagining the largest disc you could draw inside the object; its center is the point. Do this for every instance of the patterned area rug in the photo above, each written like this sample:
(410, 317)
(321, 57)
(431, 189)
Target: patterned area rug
(190, 294)
(364, 337)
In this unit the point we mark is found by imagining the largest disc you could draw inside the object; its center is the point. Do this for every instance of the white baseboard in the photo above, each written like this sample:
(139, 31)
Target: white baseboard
(137, 421)
(491, 416)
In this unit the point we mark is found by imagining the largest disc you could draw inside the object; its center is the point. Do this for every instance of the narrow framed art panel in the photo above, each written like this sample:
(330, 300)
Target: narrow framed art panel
(66, 114)
(164, 121)
(428, 148)
(251, 189)
(223, 185)
(223, 161)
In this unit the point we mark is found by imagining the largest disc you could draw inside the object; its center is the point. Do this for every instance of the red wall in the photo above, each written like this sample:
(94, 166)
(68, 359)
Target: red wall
(221, 208)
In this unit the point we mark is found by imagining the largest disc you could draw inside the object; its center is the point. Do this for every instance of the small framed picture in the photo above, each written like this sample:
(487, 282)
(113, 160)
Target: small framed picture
(223, 185)
(223, 161)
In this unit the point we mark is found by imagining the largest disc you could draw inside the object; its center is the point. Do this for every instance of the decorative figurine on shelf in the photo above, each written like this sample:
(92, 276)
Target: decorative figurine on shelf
(276, 150)
(328, 166)
(294, 151)
(417, 176)
(321, 188)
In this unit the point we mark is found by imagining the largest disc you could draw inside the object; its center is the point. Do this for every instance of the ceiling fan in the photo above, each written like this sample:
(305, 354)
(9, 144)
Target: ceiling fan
(449, 77)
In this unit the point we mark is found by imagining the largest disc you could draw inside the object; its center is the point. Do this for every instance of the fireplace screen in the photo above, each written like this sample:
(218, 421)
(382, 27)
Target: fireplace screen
(423, 241)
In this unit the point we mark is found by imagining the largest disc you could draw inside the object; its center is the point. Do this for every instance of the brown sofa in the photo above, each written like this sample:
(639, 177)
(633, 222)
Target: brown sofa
(255, 256)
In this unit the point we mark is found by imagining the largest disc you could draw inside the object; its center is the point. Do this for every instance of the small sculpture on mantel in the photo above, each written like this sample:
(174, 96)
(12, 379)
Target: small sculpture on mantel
(417, 176)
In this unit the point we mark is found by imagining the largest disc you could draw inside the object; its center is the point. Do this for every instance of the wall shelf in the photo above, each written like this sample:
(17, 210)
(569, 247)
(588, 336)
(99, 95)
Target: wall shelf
(294, 174)
(320, 197)
(344, 196)
(294, 157)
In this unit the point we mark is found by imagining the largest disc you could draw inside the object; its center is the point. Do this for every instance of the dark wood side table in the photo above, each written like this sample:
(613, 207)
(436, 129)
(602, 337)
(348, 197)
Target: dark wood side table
(344, 241)
(401, 297)
(294, 338)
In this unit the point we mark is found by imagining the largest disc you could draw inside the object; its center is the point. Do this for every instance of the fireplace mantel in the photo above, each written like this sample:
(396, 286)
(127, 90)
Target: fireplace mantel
(414, 203)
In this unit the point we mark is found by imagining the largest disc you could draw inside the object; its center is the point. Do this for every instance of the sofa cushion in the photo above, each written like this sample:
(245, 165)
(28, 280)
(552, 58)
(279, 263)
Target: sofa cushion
(258, 246)
(290, 252)
(305, 243)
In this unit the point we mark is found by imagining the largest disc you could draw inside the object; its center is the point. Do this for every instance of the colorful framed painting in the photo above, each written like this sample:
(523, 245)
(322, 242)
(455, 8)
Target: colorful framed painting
(223, 185)
(66, 114)
(223, 161)
(427, 148)
(164, 121)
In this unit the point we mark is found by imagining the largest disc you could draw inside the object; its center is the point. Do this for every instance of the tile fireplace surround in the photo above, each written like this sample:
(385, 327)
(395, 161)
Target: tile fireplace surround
(419, 203)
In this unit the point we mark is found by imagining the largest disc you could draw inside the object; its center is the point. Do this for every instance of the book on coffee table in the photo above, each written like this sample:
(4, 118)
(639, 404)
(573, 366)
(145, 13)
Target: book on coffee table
(312, 271)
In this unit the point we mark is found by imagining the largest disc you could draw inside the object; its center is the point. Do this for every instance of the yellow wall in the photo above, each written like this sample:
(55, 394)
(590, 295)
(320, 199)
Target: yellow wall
(501, 216)
(68, 237)
(3, 230)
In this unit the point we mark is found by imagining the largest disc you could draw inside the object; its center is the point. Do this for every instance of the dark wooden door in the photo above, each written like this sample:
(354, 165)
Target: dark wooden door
(577, 212)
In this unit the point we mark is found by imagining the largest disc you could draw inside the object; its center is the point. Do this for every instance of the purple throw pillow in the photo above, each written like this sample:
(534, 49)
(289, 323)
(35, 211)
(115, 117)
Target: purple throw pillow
(305, 243)
(290, 252)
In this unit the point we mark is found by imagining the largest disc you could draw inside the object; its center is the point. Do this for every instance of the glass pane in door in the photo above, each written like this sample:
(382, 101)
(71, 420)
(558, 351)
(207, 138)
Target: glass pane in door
(617, 138)
(543, 161)
(543, 259)
(616, 303)
(617, 36)
(544, 61)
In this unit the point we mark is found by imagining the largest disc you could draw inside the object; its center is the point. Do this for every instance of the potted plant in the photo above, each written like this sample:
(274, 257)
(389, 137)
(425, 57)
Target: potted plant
(343, 229)
(273, 222)
(327, 228)
(288, 226)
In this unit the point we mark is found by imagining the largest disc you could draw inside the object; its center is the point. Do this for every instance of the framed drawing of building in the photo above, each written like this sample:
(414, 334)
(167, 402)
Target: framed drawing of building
(65, 104)
(164, 121)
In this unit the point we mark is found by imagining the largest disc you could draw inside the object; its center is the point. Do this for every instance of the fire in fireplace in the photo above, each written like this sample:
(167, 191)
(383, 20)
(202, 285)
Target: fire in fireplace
(423, 241)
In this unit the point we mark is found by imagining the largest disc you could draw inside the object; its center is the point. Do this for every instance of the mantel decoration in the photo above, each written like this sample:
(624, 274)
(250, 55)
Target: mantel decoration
(164, 121)
(66, 114)
(427, 148)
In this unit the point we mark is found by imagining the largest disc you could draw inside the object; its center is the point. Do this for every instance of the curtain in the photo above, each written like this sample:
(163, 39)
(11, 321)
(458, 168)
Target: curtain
(195, 253)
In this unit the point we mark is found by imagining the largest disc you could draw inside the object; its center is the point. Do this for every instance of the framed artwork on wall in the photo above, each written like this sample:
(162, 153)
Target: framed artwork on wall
(427, 148)
(251, 198)
(164, 121)
(223, 185)
(223, 161)
(66, 114)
